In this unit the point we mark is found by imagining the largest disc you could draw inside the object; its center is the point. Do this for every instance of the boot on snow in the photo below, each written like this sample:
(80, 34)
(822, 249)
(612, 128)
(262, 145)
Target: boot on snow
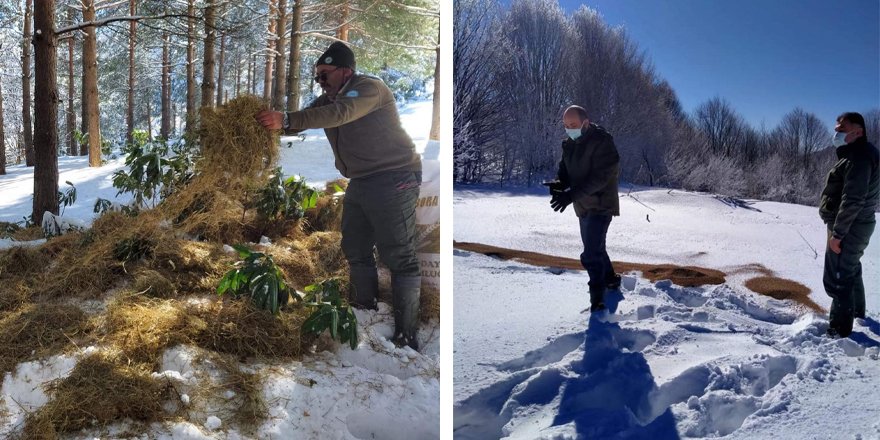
(363, 287)
(597, 299)
(612, 281)
(405, 292)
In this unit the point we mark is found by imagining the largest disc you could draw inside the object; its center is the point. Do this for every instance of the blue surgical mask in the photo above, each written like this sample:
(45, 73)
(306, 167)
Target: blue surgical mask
(839, 139)
(573, 133)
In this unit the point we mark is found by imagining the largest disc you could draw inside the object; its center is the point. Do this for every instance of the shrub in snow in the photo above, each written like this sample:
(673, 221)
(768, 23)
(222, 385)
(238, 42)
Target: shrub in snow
(153, 173)
(331, 312)
(258, 277)
(285, 198)
(54, 225)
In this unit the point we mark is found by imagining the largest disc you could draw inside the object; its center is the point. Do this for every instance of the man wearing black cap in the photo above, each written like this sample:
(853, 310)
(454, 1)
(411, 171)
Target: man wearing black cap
(847, 206)
(359, 115)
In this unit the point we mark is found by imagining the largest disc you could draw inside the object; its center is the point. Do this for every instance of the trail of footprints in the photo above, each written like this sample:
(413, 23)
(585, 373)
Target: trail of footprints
(603, 373)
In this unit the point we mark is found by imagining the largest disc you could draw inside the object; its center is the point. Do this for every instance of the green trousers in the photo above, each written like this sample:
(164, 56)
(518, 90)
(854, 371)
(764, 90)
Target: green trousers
(843, 277)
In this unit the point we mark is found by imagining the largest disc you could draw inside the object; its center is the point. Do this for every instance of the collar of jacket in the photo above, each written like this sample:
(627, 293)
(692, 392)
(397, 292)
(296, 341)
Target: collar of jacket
(848, 149)
(344, 87)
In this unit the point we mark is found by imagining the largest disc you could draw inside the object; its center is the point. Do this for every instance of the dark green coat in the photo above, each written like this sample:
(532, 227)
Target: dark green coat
(852, 188)
(590, 167)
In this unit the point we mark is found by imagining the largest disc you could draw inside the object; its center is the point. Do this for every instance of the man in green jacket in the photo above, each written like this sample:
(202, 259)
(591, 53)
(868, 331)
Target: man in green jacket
(587, 178)
(359, 116)
(847, 206)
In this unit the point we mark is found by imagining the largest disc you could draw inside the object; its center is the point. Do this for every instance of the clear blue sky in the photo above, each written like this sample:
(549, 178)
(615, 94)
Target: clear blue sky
(765, 57)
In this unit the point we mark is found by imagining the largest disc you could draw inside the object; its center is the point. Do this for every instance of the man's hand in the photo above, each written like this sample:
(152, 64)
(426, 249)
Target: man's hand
(270, 119)
(555, 186)
(560, 201)
(834, 245)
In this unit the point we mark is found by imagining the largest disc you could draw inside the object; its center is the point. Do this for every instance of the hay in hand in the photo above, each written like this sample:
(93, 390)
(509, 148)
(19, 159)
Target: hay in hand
(35, 331)
(100, 390)
(234, 144)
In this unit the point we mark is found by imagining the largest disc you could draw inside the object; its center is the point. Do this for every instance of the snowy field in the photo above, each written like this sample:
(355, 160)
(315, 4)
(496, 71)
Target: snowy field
(666, 362)
(375, 392)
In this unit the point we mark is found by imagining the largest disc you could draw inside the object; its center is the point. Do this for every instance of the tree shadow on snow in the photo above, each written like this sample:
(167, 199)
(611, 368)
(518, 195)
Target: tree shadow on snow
(610, 396)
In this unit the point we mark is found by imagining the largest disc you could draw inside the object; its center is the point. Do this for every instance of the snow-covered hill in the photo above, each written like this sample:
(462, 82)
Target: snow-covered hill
(667, 361)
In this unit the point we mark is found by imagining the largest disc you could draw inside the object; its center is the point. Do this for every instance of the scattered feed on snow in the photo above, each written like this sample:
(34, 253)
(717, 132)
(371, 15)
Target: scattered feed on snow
(142, 329)
(781, 288)
(100, 390)
(687, 276)
(36, 331)
(27, 234)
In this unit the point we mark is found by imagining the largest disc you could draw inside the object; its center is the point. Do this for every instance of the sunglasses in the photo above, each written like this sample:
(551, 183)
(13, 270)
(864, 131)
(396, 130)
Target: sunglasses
(322, 77)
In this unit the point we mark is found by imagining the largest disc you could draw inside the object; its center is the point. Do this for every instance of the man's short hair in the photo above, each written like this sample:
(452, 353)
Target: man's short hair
(854, 118)
(581, 112)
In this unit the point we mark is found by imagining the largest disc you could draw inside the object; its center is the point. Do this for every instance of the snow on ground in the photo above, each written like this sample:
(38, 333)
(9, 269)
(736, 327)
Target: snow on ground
(376, 391)
(666, 362)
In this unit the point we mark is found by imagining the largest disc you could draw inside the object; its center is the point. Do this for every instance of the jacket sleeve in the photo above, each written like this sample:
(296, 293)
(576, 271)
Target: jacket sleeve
(319, 101)
(604, 165)
(562, 174)
(855, 188)
(351, 105)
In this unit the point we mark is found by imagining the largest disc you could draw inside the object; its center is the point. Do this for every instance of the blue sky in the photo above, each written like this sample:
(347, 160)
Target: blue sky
(765, 57)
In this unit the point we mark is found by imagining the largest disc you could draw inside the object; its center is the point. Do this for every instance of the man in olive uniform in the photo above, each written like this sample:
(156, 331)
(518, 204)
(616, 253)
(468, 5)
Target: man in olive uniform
(587, 178)
(847, 207)
(359, 116)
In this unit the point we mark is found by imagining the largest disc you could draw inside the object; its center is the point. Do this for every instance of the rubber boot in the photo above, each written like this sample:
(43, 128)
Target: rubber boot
(612, 281)
(364, 287)
(841, 318)
(597, 299)
(405, 291)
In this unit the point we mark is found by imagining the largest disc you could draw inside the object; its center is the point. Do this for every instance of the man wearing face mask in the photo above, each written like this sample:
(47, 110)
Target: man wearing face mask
(359, 116)
(847, 206)
(587, 178)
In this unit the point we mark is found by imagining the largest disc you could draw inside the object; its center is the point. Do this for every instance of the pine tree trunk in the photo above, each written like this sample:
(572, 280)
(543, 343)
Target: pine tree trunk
(208, 63)
(293, 76)
(129, 113)
(191, 108)
(342, 32)
(90, 77)
(220, 70)
(435, 112)
(149, 117)
(26, 85)
(46, 111)
(252, 75)
(165, 127)
(270, 46)
(72, 147)
(280, 65)
(237, 74)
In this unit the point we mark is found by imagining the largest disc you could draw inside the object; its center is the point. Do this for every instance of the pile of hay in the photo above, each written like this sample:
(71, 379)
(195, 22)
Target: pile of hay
(159, 269)
(237, 156)
(33, 332)
(101, 389)
(781, 288)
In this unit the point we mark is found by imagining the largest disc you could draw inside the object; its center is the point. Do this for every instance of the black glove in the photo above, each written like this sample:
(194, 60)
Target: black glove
(560, 200)
(555, 186)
